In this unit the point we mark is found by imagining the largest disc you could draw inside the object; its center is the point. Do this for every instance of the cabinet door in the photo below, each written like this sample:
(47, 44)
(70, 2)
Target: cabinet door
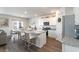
(52, 33)
(41, 40)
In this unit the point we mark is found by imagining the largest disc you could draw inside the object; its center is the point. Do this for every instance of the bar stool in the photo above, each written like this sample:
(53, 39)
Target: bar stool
(29, 40)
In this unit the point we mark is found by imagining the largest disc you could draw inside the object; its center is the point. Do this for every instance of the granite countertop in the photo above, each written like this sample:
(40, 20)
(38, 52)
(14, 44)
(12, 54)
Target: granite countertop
(71, 41)
(36, 32)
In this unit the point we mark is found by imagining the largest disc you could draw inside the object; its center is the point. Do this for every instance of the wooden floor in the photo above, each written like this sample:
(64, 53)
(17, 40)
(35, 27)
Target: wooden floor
(52, 45)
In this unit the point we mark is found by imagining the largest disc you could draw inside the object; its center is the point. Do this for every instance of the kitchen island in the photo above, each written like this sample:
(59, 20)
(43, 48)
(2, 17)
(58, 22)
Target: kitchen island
(40, 37)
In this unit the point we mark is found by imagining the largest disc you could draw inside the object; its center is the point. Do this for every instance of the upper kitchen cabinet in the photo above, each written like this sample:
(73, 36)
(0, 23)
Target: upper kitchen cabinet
(52, 20)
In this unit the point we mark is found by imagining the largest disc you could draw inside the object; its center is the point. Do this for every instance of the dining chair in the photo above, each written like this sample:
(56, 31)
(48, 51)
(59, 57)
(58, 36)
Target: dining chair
(14, 35)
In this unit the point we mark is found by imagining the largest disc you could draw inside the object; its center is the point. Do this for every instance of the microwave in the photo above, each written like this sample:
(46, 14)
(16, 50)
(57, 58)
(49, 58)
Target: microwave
(45, 23)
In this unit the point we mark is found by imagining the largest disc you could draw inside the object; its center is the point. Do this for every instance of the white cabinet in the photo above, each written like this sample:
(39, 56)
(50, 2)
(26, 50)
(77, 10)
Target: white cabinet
(52, 33)
(41, 40)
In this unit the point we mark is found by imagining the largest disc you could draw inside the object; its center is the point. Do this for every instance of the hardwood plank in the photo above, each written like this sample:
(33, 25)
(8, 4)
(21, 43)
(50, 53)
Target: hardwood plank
(52, 45)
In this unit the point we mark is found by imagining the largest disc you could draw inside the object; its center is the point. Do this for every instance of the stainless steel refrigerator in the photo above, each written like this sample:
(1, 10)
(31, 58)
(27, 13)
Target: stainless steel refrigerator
(68, 25)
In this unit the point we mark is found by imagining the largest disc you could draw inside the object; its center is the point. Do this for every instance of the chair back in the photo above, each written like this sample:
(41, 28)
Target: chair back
(27, 37)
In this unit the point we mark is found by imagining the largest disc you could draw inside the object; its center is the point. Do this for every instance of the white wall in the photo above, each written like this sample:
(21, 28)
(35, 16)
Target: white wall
(9, 28)
(37, 21)
(59, 24)
(51, 20)
(76, 12)
(69, 11)
(25, 22)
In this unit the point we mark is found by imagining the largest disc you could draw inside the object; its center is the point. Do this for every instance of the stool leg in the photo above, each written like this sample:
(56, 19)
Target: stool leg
(14, 39)
(28, 46)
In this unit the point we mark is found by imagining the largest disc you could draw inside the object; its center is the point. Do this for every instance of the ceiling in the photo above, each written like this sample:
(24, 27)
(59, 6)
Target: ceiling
(27, 11)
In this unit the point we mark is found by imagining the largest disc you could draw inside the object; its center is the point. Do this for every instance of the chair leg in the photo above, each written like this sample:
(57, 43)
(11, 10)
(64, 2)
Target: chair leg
(25, 44)
(14, 40)
(28, 46)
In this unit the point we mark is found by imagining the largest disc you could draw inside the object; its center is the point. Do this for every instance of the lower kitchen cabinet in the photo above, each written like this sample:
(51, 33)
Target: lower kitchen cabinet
(52, 33)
